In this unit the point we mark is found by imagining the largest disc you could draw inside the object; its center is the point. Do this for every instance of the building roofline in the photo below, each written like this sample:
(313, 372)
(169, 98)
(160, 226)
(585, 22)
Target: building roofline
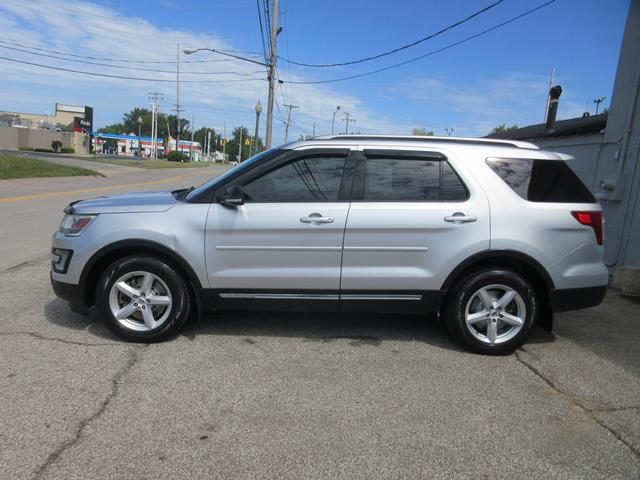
(560, 128)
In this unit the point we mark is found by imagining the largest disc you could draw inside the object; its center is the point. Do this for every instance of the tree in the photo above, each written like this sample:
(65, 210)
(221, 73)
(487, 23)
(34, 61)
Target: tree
(503, 128)
(422, 132)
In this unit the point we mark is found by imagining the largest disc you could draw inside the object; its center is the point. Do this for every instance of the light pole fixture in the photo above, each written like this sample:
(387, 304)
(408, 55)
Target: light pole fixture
(449, 131)
(333, 121)
(139, 134)
(255, 136)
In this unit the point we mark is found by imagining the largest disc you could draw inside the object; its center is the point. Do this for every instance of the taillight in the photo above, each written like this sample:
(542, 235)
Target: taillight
(594, 220)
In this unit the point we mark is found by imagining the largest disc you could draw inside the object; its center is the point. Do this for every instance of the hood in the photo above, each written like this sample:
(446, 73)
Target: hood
(159, 201)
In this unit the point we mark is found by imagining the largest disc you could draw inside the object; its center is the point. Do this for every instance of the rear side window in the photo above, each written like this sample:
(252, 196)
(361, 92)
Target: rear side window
(411, 180)
(546, 181)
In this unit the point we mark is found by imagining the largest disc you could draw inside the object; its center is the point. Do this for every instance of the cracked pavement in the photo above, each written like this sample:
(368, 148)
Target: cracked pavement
(284, 395)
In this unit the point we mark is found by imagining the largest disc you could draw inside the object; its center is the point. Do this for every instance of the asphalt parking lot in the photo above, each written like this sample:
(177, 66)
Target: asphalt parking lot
(311, 396)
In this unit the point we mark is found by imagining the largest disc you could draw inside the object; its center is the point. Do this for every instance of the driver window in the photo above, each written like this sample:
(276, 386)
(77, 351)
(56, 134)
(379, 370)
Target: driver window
(308, 179)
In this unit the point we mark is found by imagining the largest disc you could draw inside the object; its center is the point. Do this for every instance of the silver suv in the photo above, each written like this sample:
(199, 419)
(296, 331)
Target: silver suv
(492, 236)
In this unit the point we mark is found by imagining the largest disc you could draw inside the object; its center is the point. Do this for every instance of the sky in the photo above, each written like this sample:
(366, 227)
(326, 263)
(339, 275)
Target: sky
(499, 77)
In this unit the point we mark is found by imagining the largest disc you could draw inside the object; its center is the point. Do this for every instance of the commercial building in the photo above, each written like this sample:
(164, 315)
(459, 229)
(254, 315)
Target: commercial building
(70, 124)
(127, 144)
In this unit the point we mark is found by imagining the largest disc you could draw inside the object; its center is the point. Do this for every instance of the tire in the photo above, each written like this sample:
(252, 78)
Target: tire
(143, 299)
(491, 311)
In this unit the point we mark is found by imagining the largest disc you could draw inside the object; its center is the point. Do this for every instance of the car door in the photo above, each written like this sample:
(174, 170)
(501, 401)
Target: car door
(285, 241)
(413, 218)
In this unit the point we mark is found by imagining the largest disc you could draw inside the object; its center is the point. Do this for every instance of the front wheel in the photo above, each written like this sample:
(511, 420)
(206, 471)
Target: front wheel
(143, 299)
(492, 311)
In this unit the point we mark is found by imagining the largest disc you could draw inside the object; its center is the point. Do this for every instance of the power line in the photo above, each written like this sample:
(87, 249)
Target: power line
(262, 41)
(126, 77)
(446, 47)
(90, 57)
(123, 66)
(404, 47)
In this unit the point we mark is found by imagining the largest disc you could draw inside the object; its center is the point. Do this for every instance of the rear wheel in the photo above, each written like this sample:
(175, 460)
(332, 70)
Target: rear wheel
(143, 299)
(492, 311)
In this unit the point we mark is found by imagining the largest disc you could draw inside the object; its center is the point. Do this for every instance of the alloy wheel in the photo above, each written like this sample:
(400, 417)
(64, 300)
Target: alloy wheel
(495, 314)
(140, 301)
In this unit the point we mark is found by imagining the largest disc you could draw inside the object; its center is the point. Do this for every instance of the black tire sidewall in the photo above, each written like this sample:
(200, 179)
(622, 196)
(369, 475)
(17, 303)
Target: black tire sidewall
(462, 293)
(172, 278)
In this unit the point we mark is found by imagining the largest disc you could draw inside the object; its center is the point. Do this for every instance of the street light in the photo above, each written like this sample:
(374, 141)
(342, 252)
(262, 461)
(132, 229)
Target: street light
(255, 137)
(139, 133)
(333, 121)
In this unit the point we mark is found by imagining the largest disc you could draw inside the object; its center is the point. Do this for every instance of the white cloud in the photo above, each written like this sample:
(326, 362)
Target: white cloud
(95, 30)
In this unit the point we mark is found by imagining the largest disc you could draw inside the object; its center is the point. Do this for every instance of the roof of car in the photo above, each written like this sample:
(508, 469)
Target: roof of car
(386, 139)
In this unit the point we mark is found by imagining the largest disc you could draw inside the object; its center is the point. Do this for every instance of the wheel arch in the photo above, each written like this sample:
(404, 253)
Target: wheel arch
(108, 254)
(522, 263)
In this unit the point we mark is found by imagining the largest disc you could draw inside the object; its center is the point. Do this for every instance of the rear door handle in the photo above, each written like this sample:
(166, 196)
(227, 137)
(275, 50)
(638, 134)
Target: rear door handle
(459, 218)
(316, 218)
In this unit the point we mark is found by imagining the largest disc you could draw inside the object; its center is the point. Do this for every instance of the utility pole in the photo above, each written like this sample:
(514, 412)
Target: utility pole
(598, 101)
(286, 130)
(154, 97)
(240, 146)
(314, 129)
(272, 73)
(193, 127)
(178, 109)
(224, 142)
(347, 119)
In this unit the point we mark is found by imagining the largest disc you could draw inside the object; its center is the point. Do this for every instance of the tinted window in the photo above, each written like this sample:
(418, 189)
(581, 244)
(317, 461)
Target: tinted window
(541, 180)
(407, 179)
(311, 179)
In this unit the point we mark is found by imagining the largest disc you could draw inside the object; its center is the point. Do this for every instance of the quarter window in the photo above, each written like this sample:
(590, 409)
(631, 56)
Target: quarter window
(411, 180)
(309, 179)
(541, 180)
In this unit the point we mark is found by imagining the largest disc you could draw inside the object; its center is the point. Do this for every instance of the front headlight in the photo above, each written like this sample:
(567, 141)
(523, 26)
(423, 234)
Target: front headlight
(73, 225)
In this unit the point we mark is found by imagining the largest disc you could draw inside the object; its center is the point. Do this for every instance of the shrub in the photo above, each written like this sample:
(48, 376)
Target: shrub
(177, 157)
(67, 150)
(26, 149)
(45, 150)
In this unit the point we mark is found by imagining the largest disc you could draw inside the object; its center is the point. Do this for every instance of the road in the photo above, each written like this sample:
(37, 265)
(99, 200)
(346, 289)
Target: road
(286, 395)
(31, 209)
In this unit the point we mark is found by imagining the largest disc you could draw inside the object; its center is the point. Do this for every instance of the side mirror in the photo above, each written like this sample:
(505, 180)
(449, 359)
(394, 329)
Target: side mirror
(233, 196)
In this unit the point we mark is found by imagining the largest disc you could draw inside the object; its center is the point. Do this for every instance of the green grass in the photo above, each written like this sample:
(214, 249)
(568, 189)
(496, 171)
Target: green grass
(27, 167)
(149, 164)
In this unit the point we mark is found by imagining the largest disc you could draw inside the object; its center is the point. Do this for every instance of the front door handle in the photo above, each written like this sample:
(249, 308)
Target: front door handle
(316, 218)
(459, 218)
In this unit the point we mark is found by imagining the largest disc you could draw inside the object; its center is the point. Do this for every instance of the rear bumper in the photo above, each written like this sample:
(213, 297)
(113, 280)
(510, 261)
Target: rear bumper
(576, 298)
(68, 291)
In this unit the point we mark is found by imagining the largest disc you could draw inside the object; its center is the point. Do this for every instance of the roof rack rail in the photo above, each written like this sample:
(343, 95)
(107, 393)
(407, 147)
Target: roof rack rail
(432, 139)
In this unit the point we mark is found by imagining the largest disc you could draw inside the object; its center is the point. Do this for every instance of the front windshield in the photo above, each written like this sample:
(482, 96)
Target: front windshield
(232, 171)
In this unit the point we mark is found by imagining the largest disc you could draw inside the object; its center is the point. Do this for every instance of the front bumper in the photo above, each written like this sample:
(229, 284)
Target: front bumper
(69, 291)
(566, 299)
